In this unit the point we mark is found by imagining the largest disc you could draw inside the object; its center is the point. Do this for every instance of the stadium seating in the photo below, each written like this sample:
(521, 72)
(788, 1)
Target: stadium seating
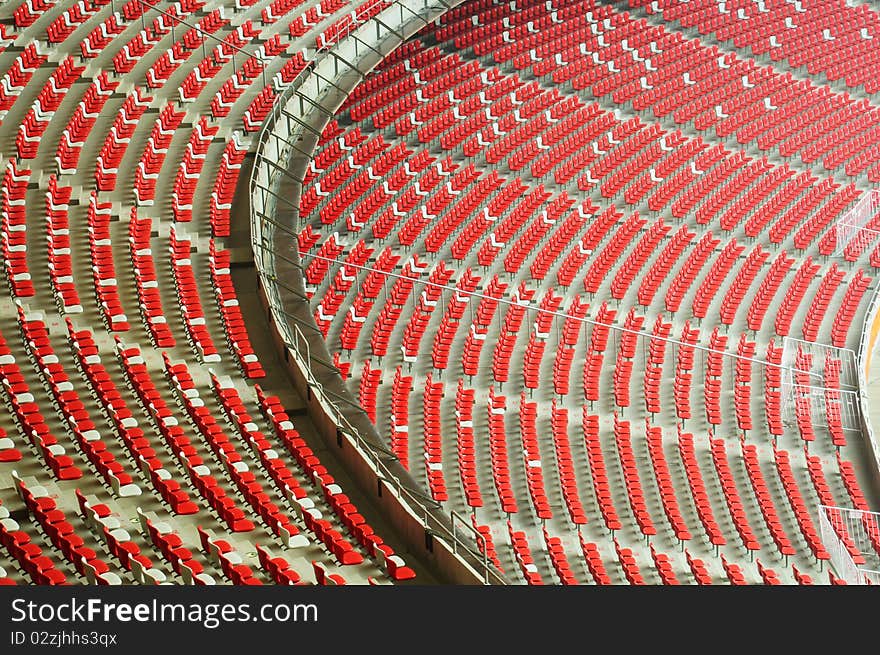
(497, 220)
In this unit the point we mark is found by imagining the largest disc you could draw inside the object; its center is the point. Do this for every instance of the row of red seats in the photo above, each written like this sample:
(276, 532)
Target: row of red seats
(194, 321)
(391, 68)
(671, 94)
(687, 274)
(146, 281)
(190, 168)
(745, 277)
(277, 9)
(496, 408)
(631, 477)
(277, 567)
(29, 11)
(558, 559)
(226, 558)
(270, 460)
(653, 373)
(348, 23)
(565, 464)
(731, 495)
(360, 182)
(824, 38)
(721, 266)
(106, 32)
(13, 225)
(565, 351)
(148, 37)
(415, 328)
(199, 76)
(698, 489)
(401, 388)
(225, 184)
(856, 288)
(304, 23)
(620, 240)
(577, 256)
(183, 47)
(627, 560)
(765, 501)
(796, 500)
(103, 269)
(61, 533)
(684, 366)
(332, 146)
(560, 238)
(594, 561)
(418, 176)
(465, 445)
(668, 499)
(230, 313)
(761, 299)
(106, 524)
(818, 307)
(71, 18)
(826, 498)
(533, 465)
(371, 378)
(354, 321)
(523, 554)
(340, 285)
(58, 250)
(433, 445)
(333, 176)
(397, 298)
(239, 82)
(536, 231)
(452, 318)
(601, 487)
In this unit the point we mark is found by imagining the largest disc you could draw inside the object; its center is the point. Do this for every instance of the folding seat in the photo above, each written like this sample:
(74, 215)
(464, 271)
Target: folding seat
(323, 575)
(8, 452)
(801, 577)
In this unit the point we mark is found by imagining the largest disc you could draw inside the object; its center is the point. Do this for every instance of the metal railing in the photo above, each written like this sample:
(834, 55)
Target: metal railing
(861, 529)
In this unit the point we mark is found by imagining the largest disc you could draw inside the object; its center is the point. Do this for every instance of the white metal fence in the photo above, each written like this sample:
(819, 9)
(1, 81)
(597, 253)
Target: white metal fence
(851, 537)
(850, 229)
